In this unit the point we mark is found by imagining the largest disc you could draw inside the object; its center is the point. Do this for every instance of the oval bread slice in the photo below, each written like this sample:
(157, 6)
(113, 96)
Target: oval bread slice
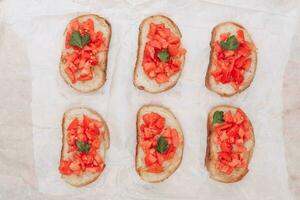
(99, 71)
(228, 89)
(212, 150)
(69, 115)
(170, 166)
(140, 79)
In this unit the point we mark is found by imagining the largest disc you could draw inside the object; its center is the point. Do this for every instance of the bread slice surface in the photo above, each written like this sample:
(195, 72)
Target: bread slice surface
(69, 115)
(212, 150)
(99, 71)
(170, 166)
(227, 89)
(140, 79)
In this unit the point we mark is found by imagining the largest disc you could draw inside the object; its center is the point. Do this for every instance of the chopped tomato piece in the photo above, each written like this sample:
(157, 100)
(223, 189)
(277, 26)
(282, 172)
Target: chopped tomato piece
(175, 138)
(226, 147)
(156, 44)
(170, 153)
(148, 67)
(96, 143)
(70, 75)
(161, 78)
(150, 159)
(89, 25)
(81, 137)
(160, 123)
(224, 36)
(64, 167)
(152, 29)
(240, 36)
(146, 144)
(75, 166)
(173, 50)
(167, 133)
(164, 33)
(74, 25)
(223, 136)
(223, 127)
(247, 64)
(156, 168)
(73, 124)
(174, 40)
(228, 117)
(239, 117)
(86, 121)
(160, 158)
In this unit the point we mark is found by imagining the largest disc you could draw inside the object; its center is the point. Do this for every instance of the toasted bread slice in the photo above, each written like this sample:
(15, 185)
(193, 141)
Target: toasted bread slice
(228, 89)
(169, 166)
(212, 150)
(99, 71)
(69, 115)
(140, 79)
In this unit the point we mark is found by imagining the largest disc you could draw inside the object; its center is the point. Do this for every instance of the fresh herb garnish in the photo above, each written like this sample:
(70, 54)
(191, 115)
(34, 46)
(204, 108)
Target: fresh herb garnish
(164, 55)
(230, 44)
(218, 117)
(83, 147)
(162, 145)
(78, 41)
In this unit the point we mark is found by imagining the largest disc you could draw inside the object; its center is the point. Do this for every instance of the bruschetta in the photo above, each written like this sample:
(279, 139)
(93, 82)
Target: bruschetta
(85, 139)
(160, 143)
(230, 144)
(233, 59)
(83, 60)
(160, 55)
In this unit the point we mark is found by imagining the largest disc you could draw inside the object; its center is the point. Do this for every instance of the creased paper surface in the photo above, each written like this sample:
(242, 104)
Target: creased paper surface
(42, 26)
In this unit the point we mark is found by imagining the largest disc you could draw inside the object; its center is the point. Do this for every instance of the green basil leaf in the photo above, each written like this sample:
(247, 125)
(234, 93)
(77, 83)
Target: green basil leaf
(218, 117)
(164, 55)
(85, 39)
(77, 40)
(230, 44)
(224, 45)
(162, 145)
(83, 147)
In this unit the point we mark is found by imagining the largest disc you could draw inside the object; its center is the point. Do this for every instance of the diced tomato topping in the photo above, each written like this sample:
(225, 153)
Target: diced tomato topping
(231, 65)
(175, 138)
(240, 36)
(80, 62)
(228, 117)
(64, 167)
(231, 136)
(152, 128)
(224, 36)
(150, 159)
(70, 75)
(173, 49)
(73, 124)
(160, 38)
(155, 168)
(161, 78)
(87, 132)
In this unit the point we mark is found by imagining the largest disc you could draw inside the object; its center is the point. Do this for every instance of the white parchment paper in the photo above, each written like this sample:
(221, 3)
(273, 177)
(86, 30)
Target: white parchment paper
(42, 25)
